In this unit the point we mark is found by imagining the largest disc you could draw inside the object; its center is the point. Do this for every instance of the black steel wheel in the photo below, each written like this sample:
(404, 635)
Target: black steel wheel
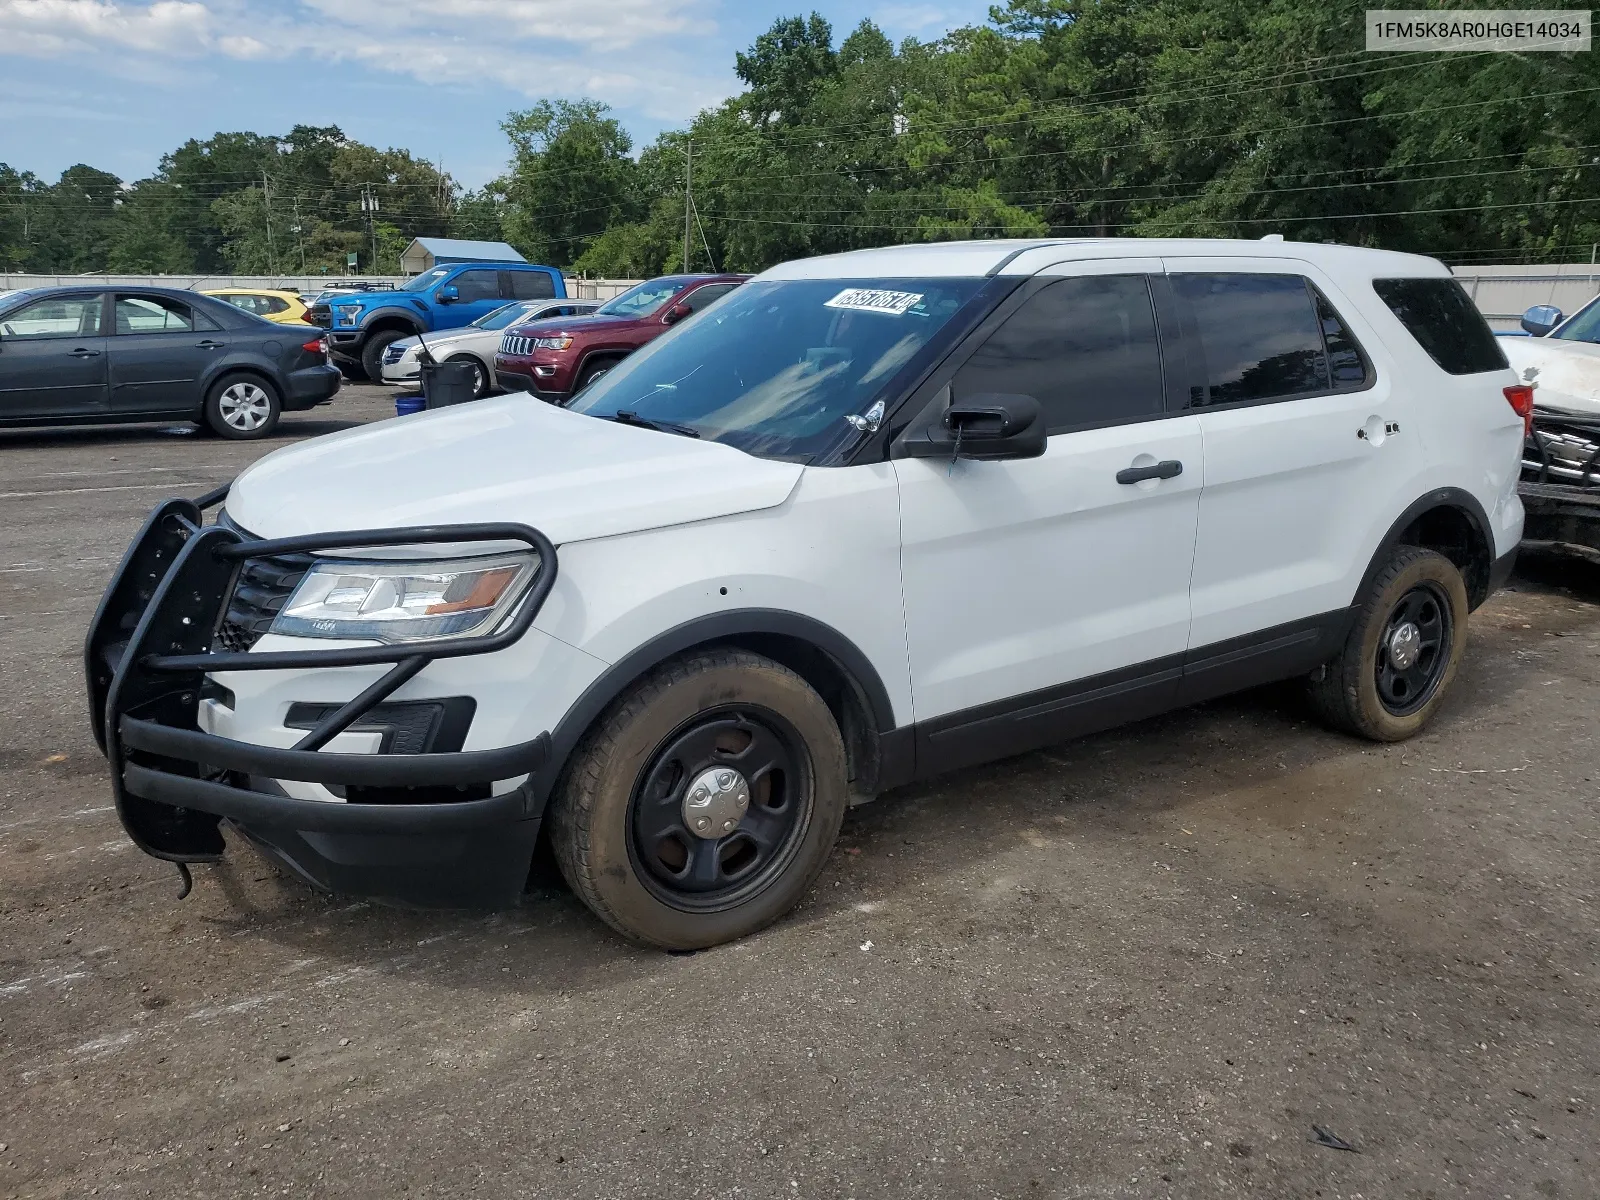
(704, 802)
(1414, 650)
(1407, 638)
(721, 808)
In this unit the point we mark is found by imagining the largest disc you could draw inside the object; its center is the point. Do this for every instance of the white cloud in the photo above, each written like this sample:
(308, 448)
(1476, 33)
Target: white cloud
(537, 47)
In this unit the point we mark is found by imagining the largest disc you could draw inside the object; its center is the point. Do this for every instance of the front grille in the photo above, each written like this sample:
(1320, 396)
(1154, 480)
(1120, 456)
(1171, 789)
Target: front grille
(260, 591)
(321, 314)
(514, 345)
(1562, 452)
(394, 354)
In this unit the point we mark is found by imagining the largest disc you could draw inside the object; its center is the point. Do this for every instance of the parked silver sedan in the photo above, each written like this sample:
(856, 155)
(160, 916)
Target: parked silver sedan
(475, 343)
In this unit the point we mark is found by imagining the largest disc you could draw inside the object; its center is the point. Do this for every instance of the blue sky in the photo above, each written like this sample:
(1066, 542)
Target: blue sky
(115, 83)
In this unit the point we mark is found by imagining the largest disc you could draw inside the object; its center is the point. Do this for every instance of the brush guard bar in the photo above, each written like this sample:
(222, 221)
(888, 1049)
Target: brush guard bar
(148, 651)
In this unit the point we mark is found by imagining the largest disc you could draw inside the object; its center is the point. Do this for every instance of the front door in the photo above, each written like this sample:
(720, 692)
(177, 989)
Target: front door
(53, 358)
(478, 295)
(1309, 452)
(162, 350)
(1049, 596)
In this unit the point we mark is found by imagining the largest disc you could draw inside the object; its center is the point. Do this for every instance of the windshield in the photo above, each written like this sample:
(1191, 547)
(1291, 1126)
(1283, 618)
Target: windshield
(775, 367)
(425, 281)
(505, 315)
(642, 299)
(1585, 326)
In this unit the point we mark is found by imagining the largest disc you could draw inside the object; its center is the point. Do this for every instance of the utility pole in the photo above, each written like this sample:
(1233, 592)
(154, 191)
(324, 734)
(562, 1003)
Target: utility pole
(266, 201)
(688, 203)
(298, 240)
(369, 205)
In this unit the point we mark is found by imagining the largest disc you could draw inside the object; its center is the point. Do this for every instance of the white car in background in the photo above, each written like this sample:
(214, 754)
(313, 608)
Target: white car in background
(475, 343)
(1560, 358)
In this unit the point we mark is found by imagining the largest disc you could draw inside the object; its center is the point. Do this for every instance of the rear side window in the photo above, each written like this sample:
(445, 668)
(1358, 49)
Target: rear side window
(1261, 336)
(1445, 323)
(1084, 348)
(473, 286)
(532, 285)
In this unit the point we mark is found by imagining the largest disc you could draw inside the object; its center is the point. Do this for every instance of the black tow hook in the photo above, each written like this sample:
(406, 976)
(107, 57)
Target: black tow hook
(188, 879)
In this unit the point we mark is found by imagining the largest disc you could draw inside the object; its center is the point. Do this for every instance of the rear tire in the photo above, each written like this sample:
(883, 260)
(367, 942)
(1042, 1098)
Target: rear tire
(242, 408)
(1402, 652)
(624, 815)
(372, 352)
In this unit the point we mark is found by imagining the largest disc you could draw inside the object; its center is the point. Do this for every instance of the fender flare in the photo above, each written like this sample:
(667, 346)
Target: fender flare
(410, 318)
(713, 627)
(1449, 497)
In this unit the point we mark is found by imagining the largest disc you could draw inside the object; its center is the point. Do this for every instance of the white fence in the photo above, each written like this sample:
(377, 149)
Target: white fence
(1504, 293)
(578, 289)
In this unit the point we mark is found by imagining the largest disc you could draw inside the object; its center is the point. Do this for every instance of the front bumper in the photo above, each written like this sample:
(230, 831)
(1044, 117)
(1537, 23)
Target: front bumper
(1560, 485)
(147, 659)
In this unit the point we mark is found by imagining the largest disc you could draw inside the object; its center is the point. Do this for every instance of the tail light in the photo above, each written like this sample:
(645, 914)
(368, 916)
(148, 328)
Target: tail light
(320, 346)
(1520, 397)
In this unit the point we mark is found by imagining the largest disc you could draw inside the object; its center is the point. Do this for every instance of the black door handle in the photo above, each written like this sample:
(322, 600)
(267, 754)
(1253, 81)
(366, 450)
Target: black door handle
(208, 344)
(1169, 469)
(81, 352)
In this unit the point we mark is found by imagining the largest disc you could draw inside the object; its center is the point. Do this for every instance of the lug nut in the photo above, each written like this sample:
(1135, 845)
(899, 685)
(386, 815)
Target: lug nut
(729, 826)
(702, 824)
(725, 779)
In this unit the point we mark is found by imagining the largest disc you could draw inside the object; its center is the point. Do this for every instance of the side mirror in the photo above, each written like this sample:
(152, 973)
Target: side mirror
(448, 294)
(1541, 319)
(986, 427)
(677, 313)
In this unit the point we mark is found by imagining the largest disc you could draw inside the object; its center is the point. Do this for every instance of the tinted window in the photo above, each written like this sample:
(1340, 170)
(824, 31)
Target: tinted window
(532, 285)
(248, 303)
(643, 298)
(1584, 325)
(1348, 365)
(1444, 322)
(153, 314)
(700, 297)
(478, 285)
(57, 317)
(273, 304)
(1259, 334)
(1085, 349)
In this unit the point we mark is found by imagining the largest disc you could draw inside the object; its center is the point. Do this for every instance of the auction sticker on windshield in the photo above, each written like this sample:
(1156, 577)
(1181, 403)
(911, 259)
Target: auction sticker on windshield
(895, 304)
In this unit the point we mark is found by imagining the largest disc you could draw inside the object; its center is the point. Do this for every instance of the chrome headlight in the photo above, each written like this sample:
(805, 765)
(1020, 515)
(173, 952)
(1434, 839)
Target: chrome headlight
(405, 601)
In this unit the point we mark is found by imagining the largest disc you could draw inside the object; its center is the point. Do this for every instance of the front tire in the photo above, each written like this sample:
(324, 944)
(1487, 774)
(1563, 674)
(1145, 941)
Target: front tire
(704, 803)
(1402, 652)
(480, 375)
(242, 408)
(592, 372)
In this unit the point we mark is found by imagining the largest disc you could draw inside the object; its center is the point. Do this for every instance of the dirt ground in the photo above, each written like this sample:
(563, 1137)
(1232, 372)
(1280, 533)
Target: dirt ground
(1149, 963)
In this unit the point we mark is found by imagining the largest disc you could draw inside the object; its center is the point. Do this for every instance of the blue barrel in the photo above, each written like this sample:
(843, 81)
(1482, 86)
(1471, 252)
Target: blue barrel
(407, 403)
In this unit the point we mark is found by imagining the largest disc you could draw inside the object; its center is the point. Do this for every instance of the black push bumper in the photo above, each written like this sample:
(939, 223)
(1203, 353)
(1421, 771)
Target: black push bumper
(426, 830)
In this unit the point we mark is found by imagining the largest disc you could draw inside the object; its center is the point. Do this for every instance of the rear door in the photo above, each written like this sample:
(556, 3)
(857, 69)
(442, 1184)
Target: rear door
(161, 350)
(53, 357)
(1307, 448)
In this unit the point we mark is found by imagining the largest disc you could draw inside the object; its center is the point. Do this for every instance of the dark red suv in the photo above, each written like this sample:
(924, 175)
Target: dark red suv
(556, 358)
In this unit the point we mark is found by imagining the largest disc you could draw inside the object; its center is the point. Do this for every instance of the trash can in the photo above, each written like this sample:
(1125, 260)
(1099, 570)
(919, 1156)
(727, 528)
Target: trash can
(447, 383)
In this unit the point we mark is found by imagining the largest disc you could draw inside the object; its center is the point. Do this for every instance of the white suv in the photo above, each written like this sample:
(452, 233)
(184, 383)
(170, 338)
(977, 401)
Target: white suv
(873, 517)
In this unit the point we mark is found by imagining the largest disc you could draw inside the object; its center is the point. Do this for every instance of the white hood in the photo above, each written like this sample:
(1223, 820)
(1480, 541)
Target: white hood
(510, 459)
(1565, 374)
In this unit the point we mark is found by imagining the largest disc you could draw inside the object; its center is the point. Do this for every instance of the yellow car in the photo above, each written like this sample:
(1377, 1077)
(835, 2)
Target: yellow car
(286, 308)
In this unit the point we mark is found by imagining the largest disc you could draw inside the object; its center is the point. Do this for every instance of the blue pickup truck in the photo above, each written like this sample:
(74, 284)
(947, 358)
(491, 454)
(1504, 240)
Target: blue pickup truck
(362, 324)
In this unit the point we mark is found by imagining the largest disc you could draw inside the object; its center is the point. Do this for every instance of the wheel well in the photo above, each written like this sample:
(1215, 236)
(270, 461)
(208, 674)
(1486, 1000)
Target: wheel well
(601, 356)
(391, 324)
(260, 377)
(1450, 531)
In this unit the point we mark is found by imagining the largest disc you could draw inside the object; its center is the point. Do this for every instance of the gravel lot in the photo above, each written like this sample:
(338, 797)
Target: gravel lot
(1143, 964)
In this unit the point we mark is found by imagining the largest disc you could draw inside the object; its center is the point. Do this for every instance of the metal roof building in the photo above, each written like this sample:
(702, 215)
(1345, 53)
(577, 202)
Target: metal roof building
(425, 253)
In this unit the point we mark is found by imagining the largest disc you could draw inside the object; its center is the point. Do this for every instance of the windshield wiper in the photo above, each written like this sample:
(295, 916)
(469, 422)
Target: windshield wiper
(627, 417)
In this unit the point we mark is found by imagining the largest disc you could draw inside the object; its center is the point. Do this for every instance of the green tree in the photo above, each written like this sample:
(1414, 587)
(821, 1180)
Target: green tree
(571, 178)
